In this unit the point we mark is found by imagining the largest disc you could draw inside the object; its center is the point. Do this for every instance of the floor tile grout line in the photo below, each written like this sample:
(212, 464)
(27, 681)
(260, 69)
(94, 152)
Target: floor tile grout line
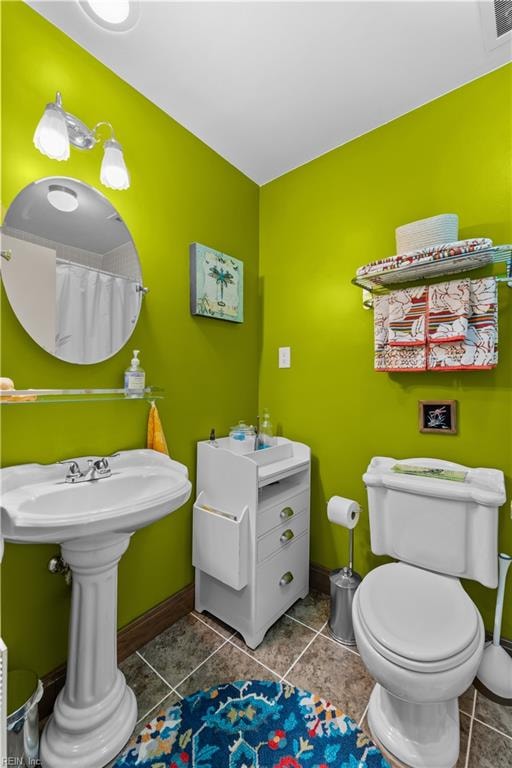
(302, 652)
(144, 716)
(201, 664)
(250, 655)
(303, 623)
(336, 642)
(157, 673)
(204, 623)
(492, 728)
(470, 734)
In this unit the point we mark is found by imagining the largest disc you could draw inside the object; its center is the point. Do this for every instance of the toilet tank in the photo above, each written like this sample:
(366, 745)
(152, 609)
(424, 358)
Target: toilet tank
(445, 526)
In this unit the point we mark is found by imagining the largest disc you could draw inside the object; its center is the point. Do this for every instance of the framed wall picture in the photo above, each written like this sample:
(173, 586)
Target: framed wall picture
(438, 416)
(216, 284)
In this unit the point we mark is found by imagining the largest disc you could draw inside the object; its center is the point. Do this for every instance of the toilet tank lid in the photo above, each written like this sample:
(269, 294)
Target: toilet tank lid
(482, 485)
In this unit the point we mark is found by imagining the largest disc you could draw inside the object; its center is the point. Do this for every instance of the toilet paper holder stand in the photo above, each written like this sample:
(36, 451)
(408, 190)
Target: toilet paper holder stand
(343, 585)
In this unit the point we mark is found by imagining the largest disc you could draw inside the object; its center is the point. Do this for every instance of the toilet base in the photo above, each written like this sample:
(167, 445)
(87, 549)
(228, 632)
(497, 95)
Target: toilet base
(419, 735)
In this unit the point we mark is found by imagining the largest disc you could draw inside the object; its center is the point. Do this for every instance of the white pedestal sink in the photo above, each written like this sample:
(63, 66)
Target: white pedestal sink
(95, 713)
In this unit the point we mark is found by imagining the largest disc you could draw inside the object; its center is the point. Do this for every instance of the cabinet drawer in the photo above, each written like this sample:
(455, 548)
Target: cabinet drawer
(282, 578)
(286, 511)
(283, 536)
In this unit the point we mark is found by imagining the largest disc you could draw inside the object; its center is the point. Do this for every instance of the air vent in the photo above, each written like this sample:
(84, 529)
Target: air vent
(496, 18)
(503, 13)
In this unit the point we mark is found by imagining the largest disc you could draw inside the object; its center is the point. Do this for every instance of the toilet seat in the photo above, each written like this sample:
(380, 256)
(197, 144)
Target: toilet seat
(419, 620)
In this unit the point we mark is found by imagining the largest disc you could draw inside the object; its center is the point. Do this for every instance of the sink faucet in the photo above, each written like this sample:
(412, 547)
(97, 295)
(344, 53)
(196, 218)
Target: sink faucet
(97, 469)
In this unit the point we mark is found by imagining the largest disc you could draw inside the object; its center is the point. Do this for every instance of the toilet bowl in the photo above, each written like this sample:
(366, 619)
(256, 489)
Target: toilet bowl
(418, 632)
(421, 638)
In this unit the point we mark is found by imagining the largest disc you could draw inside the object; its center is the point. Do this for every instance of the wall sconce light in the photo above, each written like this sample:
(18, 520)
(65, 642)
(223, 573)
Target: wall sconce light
(57, 129)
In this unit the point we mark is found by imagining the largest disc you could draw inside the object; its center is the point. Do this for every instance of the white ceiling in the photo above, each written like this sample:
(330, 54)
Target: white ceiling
(271, 85)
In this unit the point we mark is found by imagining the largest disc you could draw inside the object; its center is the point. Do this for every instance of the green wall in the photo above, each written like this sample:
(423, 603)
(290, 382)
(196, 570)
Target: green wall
(317, 225)
(181, 192)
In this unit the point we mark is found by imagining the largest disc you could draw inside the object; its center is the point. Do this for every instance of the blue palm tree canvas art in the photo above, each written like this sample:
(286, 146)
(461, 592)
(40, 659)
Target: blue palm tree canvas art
(216, 284)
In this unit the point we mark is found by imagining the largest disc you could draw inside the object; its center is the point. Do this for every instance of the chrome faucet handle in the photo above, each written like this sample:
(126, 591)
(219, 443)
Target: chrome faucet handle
(74, 471)
(99, 466)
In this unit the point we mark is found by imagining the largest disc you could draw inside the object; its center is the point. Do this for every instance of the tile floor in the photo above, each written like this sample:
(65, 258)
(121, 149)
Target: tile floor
(198, 652)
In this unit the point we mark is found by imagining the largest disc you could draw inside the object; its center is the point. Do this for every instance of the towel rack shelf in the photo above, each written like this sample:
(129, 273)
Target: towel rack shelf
(386, 280)
(39, 396)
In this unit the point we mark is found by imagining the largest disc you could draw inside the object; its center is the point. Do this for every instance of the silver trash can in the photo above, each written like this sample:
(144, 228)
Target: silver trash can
(24, 692)
(344, 583)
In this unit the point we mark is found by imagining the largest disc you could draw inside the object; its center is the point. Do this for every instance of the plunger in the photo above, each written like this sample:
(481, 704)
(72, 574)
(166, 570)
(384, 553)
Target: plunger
(495, 671)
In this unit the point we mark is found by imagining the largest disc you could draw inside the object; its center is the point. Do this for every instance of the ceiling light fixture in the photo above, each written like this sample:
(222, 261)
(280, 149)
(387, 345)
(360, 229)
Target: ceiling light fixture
(57, 129)
(114, 15)
(62, 198)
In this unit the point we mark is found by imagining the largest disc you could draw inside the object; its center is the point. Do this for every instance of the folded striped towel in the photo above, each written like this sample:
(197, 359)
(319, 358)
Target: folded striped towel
(479, 349)
(393, 358)
(448, 310)
(407, 311)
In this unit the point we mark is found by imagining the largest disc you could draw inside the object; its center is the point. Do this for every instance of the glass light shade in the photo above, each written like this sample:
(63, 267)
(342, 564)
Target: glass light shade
(51, 135)
(62, 198)
(114, 173)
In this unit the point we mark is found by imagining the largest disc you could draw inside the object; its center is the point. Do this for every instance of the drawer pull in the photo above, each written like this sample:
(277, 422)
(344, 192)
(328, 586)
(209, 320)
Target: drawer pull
(286, 513)
(287, 536)
(286, 578)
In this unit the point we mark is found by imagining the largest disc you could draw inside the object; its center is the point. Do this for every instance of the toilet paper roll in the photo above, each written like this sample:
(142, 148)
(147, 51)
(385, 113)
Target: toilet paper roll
(343, 511)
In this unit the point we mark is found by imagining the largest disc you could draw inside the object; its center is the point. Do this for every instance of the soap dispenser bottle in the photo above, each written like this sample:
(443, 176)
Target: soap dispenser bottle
(134, 378)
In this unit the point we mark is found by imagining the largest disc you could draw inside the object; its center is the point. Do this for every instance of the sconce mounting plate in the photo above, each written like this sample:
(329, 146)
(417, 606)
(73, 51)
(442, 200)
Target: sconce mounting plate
(79, 134)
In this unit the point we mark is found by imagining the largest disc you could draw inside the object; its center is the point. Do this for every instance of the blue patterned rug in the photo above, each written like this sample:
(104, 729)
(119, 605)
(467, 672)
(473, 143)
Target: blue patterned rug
(252, 724)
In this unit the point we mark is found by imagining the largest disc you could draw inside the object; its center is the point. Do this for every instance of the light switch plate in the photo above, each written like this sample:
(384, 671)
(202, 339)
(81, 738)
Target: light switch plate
(285, 357)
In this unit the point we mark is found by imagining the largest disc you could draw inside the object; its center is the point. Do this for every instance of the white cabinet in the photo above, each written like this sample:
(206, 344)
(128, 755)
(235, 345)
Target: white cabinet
(251, 533)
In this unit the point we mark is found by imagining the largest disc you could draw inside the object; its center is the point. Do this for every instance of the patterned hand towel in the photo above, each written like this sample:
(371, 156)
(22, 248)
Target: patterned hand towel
(380, 331)
(404, 359)
(397, 358)
(479, 350)
(407, 310)
(448, 310)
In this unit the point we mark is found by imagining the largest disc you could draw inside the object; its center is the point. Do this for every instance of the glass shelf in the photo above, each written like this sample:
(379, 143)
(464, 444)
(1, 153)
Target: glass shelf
(38, 396)
(385, 280)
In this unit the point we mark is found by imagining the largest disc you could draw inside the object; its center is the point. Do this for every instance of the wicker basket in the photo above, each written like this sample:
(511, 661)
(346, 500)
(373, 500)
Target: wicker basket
(433, 231)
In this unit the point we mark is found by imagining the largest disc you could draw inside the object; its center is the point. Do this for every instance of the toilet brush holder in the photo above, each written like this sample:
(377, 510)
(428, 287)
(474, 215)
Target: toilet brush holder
(344, 583)
(494, 676)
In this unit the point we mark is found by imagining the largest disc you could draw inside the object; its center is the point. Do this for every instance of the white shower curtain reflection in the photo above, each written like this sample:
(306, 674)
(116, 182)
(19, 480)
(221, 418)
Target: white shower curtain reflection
(96, 313)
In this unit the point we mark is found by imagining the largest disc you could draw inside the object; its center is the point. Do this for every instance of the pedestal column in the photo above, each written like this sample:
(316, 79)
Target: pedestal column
(95, 713)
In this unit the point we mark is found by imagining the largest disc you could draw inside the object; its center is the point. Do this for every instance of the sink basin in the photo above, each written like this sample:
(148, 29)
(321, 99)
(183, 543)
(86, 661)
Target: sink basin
(93, 521)
(39, 506)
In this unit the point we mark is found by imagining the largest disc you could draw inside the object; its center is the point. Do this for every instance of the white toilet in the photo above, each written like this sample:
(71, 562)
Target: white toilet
(418, 632)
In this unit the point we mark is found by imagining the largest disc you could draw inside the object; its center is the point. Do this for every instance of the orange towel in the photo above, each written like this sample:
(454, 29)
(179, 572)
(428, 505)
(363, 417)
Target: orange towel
(7, 387)
(156, 438)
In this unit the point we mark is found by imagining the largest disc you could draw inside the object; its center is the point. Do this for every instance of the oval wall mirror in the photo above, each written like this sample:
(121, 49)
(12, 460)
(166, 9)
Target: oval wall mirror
(71, 270)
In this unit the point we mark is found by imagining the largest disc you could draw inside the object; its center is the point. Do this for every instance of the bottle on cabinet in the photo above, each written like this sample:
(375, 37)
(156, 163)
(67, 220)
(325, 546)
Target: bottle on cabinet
(266, 438)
